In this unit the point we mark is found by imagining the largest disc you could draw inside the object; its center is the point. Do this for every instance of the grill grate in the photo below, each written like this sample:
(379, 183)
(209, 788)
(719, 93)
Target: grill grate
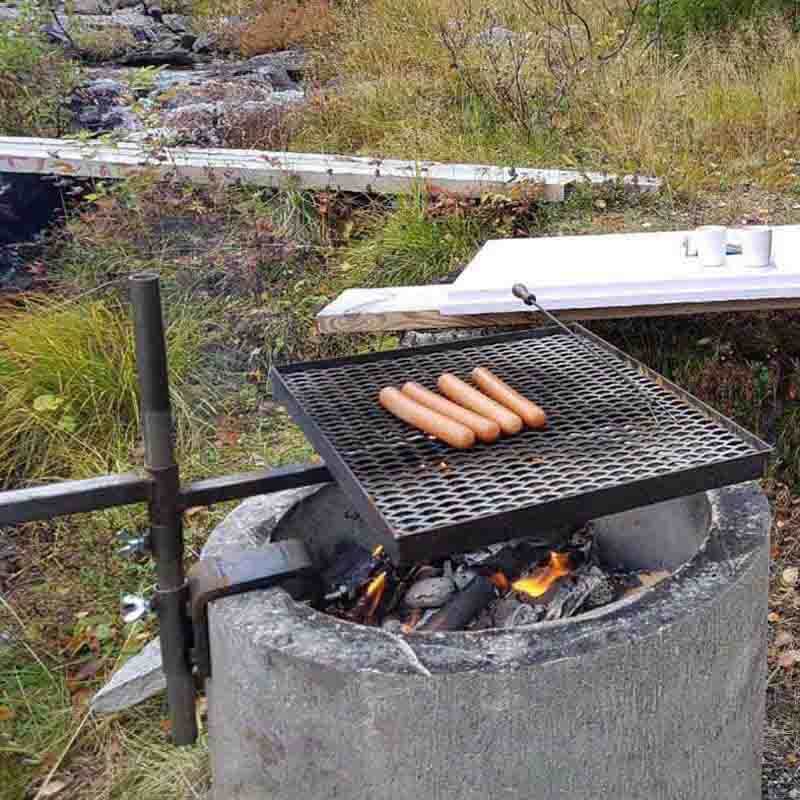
(602, 453)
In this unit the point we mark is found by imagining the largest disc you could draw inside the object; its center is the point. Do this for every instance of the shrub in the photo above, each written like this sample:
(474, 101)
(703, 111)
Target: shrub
(671, 20)
(35, 79)
(284, 24)
(68, 392)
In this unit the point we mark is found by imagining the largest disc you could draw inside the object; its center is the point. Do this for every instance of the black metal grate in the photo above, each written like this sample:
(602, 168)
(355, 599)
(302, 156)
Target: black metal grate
(610, 445)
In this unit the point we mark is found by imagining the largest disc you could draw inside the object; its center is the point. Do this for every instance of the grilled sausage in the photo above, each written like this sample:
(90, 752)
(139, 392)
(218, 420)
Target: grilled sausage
(469, 397)
(448, 430)
(487, 430)
(532, 415)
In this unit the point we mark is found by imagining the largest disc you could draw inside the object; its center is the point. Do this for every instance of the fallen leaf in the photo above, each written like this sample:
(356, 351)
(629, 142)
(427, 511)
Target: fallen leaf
(88, 670)
(166, 726)
(783, 638)
(793, 759)
(790, 576)
(773, 616)
(6, 713)
(194, 511)
(81, 698)
(789, 658)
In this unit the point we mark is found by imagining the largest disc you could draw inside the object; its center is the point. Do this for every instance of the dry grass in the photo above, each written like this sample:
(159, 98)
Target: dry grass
(284, 24)
(723, 111)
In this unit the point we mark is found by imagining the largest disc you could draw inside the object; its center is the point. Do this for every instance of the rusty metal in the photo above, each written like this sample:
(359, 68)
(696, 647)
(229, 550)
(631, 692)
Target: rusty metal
(287, 564)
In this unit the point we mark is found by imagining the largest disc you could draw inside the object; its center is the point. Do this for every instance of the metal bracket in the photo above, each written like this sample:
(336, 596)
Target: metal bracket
(286, 564)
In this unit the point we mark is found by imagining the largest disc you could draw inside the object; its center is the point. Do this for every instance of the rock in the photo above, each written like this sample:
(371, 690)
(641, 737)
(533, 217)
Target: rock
(496, 35)
(204, 43)
(139, 678)
(117, 4)
(177, 23)
(89, 7)
(121, 118)
(28, 203)
(197, 122)
(8, 14)
(430, 593)
(214, 91)
(157, 57)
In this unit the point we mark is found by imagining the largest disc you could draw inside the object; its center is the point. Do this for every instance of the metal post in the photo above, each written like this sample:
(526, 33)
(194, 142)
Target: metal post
(166, 530)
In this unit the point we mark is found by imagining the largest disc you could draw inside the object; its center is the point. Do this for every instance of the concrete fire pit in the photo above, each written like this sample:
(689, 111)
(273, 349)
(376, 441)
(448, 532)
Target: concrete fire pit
(659, 696)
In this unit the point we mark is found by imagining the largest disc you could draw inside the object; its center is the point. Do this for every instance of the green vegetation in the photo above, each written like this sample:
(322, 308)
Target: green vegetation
(68, 398)
(35, 79)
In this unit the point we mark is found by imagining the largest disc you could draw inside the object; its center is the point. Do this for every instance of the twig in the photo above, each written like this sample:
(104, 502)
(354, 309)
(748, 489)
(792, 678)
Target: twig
(60, 759)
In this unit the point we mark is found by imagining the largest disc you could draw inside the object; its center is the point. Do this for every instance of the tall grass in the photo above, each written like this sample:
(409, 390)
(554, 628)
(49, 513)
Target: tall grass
(723, 110)
(412, 246)
(68, 395)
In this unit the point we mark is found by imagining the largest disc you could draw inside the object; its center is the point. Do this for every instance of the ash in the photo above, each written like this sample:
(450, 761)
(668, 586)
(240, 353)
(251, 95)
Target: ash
(506, 585)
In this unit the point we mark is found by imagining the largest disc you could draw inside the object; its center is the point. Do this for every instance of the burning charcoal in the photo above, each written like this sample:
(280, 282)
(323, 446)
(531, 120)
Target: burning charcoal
(462, 608)
(352, 567)
(510, 612)
(525, 615)
(430, 593)
(604, 593)
(573, 593)
(463, 577)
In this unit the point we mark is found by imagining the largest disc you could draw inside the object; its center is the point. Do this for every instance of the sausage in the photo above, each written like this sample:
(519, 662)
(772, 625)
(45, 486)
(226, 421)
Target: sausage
(465, 395)
(532, 415)
(487, 430)
(448, 430)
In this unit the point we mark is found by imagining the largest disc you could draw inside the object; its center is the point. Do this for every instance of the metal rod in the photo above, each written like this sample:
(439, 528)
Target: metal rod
(72, 497)
(166, 529)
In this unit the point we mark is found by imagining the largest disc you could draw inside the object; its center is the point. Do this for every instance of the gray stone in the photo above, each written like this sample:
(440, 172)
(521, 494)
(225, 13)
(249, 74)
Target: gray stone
(204, 43)
(89, 7)
(139, 678)
(656, 696)
(430, 593)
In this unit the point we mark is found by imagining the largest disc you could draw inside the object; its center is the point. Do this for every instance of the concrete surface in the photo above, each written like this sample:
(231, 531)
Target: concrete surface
(657, 698)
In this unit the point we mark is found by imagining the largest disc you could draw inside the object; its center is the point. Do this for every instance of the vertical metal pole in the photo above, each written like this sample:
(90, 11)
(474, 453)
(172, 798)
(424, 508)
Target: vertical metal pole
(166, 530)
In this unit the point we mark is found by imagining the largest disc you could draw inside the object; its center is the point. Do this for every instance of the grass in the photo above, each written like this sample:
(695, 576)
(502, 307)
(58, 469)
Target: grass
(721, 111)
(68, 394)
(35, 80)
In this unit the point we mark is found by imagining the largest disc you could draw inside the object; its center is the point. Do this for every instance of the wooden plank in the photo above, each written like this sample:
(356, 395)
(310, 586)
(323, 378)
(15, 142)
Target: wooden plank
(625, 269)
(276, 169)
(417, 308)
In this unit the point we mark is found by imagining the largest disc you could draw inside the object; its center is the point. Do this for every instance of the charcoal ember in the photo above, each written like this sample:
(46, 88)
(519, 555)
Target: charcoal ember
(462, 577)
(572, 592)
(462, 608)
(351, 567)
(604, 593)
(526, 615)
(510, 611)
(430, 593)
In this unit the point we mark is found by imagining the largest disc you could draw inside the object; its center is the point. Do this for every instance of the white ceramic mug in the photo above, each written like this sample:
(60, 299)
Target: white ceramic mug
(756, 245)
(710, 242)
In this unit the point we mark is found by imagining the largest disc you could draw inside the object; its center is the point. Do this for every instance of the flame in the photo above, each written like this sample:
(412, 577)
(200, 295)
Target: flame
(375, 591)
(500, 581)
(541, 579)
(376, 586)
(416, 616)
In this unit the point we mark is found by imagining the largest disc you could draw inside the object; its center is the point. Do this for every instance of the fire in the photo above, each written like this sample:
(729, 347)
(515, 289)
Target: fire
(500, 581)
(541, 579)
(374, 593)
